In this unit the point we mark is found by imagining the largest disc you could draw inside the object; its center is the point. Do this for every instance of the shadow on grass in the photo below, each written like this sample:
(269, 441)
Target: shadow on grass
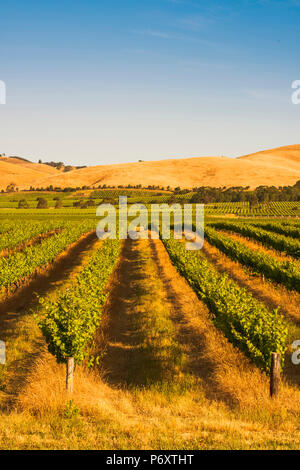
(140, 350)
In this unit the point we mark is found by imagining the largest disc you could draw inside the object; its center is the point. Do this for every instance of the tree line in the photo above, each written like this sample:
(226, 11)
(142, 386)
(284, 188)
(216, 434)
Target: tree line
(262, 194)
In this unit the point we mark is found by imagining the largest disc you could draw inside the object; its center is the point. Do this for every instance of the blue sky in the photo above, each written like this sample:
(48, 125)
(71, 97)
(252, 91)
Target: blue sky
(109, 81)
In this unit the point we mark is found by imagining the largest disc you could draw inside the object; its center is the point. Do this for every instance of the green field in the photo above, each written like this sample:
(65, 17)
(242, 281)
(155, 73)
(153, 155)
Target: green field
(68, 199)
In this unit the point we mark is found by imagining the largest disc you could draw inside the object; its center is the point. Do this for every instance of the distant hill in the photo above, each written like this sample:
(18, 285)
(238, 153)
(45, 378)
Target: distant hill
(22, 172)
(276, 167)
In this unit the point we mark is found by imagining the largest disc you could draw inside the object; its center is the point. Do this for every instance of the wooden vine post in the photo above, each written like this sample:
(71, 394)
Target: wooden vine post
(69, 374)
(275, 374)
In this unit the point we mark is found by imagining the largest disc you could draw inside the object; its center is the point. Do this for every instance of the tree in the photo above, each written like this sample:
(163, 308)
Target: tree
(23, 204)
(253, 200)
(58, 204)
(86, 204)
(11, 188)
(68, 168)
(42, 203)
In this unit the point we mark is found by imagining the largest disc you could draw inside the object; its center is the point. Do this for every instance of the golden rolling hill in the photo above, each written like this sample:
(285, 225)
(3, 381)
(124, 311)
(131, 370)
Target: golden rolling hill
(23, 173)
(278, 167)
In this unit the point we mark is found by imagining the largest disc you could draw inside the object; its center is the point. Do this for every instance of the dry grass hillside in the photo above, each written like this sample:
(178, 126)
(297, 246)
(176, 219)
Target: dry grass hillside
(23, 173)
(281, 157)
(278, 167)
